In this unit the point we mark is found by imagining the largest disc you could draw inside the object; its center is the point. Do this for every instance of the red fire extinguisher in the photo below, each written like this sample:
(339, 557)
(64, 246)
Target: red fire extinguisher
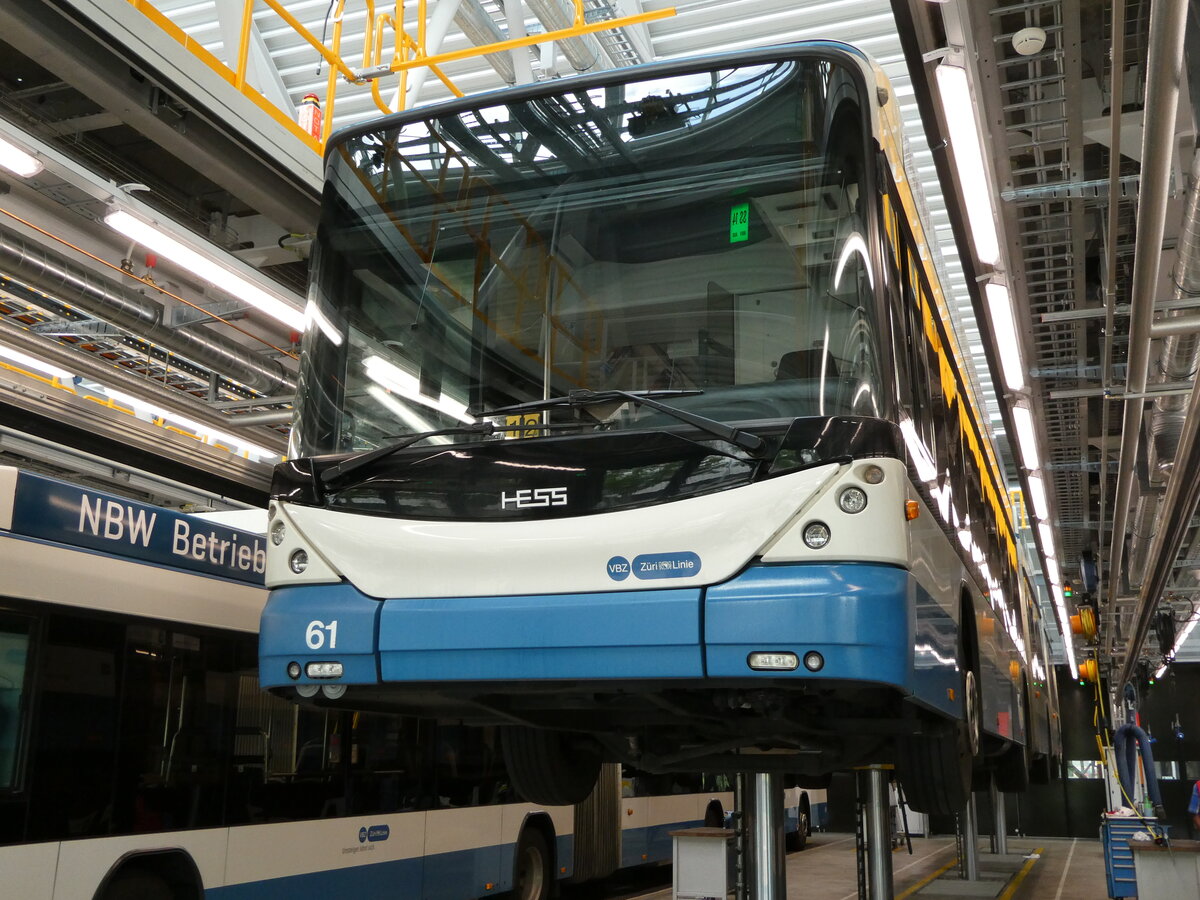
(310, 116)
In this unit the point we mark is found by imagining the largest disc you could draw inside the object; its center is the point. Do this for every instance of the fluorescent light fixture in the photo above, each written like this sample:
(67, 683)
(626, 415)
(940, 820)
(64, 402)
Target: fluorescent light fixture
(396, 380)
(18, 161)
(192, 425)
(1052, 572)
(151, 236)
(1037, 497)
(1047, 539)
(957, 106)
(1004, 332)
(32, 362)
(1023, 420)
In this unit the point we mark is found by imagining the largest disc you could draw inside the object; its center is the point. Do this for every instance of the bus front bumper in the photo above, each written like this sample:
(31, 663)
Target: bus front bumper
(862, 619)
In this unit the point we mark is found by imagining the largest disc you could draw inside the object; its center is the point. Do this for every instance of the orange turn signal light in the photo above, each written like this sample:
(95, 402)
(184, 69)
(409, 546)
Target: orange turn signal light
(912, 509)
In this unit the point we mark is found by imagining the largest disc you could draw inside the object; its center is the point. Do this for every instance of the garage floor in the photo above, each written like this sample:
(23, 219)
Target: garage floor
(1065, 870)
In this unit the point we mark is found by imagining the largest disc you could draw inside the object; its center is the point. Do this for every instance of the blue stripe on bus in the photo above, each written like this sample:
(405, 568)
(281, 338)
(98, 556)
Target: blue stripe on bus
(395, 878)
(442, 876)
(869, 622)
(542, 636)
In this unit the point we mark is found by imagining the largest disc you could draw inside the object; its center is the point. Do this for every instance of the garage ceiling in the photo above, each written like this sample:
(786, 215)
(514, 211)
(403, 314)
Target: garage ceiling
(122, 114)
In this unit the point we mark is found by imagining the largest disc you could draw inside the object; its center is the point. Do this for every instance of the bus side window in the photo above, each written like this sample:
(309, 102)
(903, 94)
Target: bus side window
(14, 658)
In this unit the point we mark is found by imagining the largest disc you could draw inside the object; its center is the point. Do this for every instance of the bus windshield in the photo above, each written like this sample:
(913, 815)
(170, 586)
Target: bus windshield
(704, 232)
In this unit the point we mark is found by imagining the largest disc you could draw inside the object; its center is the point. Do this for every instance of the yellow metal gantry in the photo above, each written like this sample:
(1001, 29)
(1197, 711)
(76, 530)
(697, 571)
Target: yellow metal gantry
(405, 51)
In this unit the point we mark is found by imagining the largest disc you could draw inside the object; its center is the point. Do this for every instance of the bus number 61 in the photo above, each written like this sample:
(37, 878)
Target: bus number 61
(314, 635)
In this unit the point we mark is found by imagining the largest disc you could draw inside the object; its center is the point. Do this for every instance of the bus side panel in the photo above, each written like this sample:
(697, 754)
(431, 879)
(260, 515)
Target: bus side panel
(344, 853)
(83, 864)
(456, 865)
(29, 870)
(562, 819)
(667, 813)
(635, 824)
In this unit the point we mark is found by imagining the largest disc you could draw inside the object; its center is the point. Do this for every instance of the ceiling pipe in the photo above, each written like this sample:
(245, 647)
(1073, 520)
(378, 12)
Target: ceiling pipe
(1177, 365)
(1179, 506)
(1164, 67)
(132, 312)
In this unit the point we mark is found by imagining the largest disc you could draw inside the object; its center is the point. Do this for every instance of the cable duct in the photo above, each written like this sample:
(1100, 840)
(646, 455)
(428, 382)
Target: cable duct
(1177, 364)
(34, 265)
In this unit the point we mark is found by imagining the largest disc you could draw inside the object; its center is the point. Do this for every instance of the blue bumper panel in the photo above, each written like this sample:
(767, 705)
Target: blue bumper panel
(856, 616)
(635, 634)
(318, 623)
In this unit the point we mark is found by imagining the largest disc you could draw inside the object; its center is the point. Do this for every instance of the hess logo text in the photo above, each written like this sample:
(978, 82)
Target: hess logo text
(533, 498)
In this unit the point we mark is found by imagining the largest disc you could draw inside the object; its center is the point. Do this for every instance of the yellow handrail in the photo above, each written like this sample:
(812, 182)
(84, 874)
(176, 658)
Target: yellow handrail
(408, 52)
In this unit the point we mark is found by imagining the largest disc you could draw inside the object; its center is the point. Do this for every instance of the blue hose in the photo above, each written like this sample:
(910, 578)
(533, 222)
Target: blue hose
(1126, 752)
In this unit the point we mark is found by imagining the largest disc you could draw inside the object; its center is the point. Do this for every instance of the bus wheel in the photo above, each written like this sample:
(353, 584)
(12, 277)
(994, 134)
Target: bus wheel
(935, 766)
(138, 884)
(550, 767)
(798, 839)
(533, 878)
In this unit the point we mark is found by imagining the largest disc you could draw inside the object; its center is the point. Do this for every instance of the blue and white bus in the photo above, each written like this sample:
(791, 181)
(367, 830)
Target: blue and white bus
(631, 421)
(139, 759)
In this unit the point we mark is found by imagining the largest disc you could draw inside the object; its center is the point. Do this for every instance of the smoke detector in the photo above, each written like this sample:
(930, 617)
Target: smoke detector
(1028, 41)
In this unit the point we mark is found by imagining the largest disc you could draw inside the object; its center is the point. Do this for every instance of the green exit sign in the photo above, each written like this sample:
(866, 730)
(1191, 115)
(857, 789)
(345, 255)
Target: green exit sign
(739, 223)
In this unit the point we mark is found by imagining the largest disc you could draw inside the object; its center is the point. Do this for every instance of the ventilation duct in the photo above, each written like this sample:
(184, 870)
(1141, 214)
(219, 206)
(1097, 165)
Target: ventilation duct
(480, 28)
(136, 314)
(583, 53)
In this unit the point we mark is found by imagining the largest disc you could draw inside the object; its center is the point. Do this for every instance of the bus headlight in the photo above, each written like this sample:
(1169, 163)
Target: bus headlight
(852, 500)
(816, 535)
(293, 670)
(278, 531)
(298, 561)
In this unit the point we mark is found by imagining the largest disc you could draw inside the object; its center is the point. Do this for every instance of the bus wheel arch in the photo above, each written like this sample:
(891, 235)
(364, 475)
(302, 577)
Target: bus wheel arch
(550, 767)
(155, 875)
(534, 860)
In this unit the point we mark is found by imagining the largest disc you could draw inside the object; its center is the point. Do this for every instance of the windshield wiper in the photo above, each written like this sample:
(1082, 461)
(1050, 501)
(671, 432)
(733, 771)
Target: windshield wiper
(751, 443)
(358, 460)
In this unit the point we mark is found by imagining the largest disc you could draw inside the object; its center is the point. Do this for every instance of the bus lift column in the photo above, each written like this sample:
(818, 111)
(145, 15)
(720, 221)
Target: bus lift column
(761, 812)
(999, 821)
(878, 833)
